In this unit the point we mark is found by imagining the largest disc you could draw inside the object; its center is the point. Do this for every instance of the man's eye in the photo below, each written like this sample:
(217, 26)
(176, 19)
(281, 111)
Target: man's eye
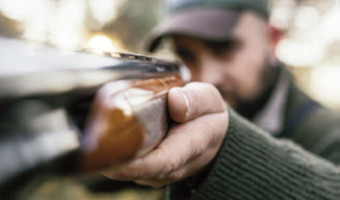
(224, 49)
(185, 56)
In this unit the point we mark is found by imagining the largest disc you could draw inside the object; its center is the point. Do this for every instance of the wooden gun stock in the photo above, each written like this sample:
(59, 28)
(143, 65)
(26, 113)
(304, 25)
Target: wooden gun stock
(127, 120)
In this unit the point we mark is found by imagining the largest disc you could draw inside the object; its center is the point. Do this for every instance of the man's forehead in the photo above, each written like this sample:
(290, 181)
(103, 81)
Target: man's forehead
(249, 23)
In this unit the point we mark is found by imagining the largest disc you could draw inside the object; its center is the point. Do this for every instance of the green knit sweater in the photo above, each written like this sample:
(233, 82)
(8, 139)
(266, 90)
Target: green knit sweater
(253, 165)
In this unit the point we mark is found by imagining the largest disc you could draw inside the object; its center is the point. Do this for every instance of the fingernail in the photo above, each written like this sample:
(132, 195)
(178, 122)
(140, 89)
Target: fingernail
(186, 100)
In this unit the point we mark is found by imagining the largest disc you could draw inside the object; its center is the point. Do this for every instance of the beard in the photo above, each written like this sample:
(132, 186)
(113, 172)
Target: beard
(249, 107)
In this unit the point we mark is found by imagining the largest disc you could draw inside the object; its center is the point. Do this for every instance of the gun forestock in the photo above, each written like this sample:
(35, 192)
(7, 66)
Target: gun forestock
(127, 120)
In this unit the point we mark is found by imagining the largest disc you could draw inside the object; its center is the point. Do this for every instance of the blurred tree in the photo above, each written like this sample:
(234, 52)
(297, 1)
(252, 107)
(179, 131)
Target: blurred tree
(135, 19)
(8, 27)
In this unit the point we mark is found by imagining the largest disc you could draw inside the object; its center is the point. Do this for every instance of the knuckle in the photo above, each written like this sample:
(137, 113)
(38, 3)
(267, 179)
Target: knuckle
(169, 162)
(170, 166)
(176, 175)
(198, 149)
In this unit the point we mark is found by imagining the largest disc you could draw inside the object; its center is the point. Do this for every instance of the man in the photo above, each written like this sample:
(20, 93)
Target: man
(230, 44)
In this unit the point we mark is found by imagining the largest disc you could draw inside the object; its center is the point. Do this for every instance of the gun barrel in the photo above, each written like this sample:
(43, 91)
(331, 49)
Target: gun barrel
(44, 112)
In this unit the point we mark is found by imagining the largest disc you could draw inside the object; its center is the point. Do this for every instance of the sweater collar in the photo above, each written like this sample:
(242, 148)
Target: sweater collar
(271, 116)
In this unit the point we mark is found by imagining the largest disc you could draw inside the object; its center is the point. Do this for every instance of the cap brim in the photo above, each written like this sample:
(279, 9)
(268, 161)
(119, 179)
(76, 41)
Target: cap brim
(209, 23)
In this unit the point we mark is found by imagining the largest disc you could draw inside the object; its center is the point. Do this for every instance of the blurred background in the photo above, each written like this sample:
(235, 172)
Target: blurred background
(311, 45)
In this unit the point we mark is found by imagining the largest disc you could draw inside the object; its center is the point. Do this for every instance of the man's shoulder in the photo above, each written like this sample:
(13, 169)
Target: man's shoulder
(304, 113)
(298, 100)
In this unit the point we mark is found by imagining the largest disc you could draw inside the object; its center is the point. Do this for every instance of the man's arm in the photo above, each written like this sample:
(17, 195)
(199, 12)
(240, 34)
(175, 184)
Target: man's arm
(253, 165)
(249, 163)
(190, 144)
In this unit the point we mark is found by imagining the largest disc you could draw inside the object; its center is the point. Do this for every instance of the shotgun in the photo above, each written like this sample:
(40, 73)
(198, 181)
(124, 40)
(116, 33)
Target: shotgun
(51, 123)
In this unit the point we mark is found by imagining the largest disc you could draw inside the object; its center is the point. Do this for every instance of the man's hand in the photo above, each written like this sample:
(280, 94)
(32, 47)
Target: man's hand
(190, 145)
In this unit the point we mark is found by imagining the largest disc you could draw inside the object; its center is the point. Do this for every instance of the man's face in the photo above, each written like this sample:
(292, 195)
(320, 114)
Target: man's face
(237, 67)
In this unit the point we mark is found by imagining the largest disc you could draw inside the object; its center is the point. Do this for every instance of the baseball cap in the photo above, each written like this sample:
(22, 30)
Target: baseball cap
(206, 19)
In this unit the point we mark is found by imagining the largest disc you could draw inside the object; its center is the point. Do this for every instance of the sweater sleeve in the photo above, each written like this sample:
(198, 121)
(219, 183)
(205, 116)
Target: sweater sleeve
(253, 165)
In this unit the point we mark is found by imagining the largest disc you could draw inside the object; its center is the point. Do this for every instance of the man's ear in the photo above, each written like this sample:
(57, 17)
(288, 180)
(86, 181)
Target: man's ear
(275, 35)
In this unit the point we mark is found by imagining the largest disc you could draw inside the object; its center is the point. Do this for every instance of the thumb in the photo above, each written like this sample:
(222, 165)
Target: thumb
(194, 100)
